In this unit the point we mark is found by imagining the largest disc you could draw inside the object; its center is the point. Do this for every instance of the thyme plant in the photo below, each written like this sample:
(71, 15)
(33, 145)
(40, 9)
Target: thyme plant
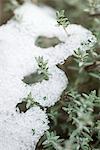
(76, 118)
(52, 141)
(62, 20)
(30, 101)
(43, 67)
(80, 124)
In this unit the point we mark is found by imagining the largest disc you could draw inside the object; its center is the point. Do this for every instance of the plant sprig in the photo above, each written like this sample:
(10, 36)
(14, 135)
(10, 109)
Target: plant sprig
(30, 101)
(62, 20)
(43, 67)
(80, 110)
(52, 141)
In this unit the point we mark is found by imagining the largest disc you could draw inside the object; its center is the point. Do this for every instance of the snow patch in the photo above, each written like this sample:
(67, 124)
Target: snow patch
(16, 129)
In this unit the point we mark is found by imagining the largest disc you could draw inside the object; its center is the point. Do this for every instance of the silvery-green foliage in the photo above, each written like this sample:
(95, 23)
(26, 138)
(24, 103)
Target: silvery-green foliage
(11, 5)
(52, 141)
(61, 19)
(43, 67)
(80, 111)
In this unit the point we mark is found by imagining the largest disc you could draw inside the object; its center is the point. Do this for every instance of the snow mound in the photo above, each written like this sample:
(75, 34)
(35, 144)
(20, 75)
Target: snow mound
(16, 129)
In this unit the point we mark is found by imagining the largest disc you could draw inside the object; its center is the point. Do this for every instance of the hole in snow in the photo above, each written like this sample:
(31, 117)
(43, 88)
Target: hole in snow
(45, 42)
(34, 78)
(27, 103)
(21, 107)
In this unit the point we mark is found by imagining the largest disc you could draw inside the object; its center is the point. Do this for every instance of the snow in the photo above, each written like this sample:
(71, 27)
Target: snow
(17, 60)
(16, 129)
(51, 89)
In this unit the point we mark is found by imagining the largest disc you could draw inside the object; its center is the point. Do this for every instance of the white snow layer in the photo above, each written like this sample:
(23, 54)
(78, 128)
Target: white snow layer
(17, 59)
(16, 129)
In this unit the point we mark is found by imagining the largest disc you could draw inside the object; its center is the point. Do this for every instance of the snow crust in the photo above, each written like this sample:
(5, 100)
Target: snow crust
(16, 129)
(17, 59)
